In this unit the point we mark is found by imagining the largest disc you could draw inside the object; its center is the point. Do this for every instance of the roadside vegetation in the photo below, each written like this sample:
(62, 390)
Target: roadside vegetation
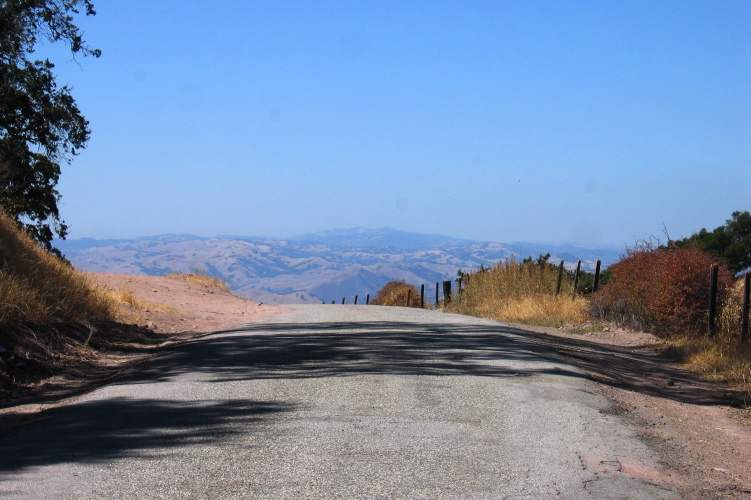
(664, 291)
(50, 314)
(661, 289)
(38, 288)
(520, 293)
(53, 316)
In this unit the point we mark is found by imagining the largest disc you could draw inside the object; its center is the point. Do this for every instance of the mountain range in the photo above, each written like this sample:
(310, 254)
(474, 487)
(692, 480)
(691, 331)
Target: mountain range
(315, 267)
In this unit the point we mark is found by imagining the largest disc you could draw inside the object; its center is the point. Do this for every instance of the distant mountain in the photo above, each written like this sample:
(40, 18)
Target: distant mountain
(384, 237)
(314, 267)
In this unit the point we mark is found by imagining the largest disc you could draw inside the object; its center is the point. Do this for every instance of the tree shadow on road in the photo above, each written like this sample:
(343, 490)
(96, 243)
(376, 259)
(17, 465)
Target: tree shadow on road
(96, 431)
(280, 350)
(318, 350)
(102, 430)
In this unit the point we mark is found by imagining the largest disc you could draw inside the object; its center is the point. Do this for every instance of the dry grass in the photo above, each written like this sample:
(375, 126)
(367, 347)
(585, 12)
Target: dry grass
(131, 309)
(721, 357)
(520, 293)
(37, 288)
(202, 277)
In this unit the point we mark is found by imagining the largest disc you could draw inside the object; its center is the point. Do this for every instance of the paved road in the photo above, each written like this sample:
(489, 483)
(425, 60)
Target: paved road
(338, 402)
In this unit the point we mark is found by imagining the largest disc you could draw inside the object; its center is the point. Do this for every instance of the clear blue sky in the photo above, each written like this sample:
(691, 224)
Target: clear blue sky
(559, 121)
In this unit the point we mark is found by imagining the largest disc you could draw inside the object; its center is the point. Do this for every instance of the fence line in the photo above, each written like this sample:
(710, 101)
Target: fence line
(464, 279)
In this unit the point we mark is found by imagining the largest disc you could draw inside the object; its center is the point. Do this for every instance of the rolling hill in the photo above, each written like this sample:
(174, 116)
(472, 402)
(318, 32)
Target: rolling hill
(314, 267)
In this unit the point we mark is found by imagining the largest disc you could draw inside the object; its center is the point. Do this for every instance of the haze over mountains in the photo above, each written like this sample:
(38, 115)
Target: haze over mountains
(315, 267)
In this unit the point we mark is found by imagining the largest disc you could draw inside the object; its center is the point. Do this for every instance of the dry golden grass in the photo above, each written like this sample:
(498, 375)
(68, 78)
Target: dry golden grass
(519, 293)
(202, 277)
(37, 288)
(722, 356)
(131, 309)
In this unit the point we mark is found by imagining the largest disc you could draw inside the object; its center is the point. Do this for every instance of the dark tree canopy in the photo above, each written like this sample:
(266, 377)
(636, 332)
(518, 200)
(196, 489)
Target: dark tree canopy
(40, 124)
(731, 242)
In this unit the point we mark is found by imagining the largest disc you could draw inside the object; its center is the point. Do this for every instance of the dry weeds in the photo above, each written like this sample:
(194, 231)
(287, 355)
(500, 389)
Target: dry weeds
(721, 356)
(202, 277)
(520, 293)
(37, 288)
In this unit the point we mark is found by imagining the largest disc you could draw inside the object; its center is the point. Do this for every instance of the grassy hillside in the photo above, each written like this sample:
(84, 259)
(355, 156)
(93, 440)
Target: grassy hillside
(38, 289)
(51, 316)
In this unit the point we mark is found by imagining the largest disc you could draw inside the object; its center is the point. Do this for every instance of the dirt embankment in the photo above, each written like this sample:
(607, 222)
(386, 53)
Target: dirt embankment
(172, 305)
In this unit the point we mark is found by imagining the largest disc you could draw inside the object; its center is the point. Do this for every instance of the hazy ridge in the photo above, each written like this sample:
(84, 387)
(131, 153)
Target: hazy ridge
(314, 267)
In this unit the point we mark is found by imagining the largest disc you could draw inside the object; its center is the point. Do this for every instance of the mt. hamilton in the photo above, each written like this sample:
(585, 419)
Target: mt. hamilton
(316, 267)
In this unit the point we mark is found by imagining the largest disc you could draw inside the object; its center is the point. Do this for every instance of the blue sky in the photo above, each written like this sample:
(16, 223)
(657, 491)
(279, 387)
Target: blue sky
(559, 121)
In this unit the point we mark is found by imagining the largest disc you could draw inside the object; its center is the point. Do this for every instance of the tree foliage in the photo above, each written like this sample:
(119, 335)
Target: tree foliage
(731, 242)
(40, 123)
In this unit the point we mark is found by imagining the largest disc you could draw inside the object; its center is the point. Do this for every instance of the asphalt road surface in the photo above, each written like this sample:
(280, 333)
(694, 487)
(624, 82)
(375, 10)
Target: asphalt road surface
(337, 401)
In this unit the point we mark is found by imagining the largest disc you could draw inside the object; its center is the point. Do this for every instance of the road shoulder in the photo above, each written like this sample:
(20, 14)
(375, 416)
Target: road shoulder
(696, 426)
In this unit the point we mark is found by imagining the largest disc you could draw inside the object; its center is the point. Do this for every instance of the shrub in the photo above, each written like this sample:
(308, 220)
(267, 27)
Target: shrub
(397, 293)
(662, 290)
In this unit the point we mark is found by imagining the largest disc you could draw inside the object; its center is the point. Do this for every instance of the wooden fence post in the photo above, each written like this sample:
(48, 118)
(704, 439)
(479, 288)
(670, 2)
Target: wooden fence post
(343, 300)
(597, 276)
(355, 299)
(367, 300)
(744, 312)
(560, 277)
(333, 302)
(713, 273)
(436, 294)
(409, 297)
(576, 277)
(422, 296)
(446, 293)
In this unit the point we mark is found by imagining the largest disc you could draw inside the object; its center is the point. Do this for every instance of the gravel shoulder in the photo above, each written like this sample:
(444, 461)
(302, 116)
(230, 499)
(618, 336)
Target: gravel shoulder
(699, 428)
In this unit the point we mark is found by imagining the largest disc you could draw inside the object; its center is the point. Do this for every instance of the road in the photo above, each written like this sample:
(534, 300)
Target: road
(338, 401)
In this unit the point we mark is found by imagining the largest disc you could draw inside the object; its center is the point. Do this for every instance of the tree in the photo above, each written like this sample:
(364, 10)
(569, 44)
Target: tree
(40, 124)
(731, 242)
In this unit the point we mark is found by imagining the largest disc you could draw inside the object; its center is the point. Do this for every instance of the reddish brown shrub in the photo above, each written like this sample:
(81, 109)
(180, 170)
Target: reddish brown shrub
(397, 293)
(662, 290)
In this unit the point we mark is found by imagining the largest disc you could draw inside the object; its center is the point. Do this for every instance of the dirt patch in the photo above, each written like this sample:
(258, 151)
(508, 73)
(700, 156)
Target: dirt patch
(702, 430)
(175, 306)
